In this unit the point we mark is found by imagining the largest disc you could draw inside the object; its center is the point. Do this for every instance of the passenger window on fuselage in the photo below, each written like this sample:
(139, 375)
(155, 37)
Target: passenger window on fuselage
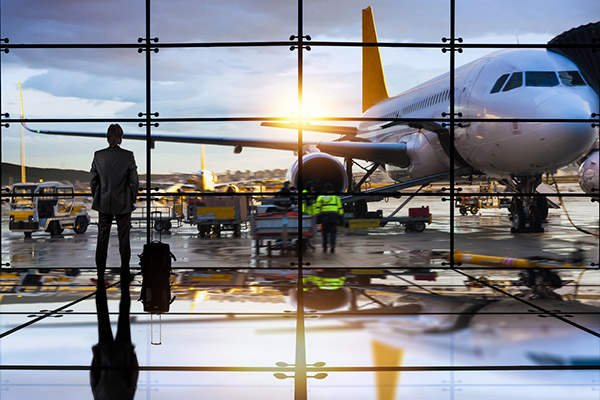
(499, 83)
(514, 82)
(541, 78)
(571, 78)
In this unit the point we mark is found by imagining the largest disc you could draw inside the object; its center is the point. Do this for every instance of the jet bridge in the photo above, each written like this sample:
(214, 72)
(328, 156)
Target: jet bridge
(588, 60)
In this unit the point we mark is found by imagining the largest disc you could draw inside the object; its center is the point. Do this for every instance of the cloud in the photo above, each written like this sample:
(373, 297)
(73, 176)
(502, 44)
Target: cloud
(257, 81)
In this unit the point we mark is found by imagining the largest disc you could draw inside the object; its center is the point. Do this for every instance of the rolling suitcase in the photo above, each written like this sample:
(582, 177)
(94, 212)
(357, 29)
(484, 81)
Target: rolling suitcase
(155, 262)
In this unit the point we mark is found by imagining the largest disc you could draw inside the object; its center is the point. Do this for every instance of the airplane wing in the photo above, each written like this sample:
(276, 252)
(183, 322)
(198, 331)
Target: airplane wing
(382, 156)
(239, 143)
(336, 130)
(388, 153)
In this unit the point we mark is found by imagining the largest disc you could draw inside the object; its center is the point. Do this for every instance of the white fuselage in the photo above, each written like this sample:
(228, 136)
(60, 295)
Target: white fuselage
(547, 90)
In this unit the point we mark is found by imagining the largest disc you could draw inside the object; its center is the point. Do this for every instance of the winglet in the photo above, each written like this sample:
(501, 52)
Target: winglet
(374, 88)
(23, 112)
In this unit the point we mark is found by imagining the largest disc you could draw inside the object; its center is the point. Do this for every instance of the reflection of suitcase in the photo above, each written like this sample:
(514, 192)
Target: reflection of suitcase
(156, 271)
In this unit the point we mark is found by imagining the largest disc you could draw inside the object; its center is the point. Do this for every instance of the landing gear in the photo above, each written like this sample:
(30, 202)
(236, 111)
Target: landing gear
(528, 212)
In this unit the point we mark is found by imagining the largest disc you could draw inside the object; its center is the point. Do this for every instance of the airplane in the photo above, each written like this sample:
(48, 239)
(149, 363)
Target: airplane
(507, 84)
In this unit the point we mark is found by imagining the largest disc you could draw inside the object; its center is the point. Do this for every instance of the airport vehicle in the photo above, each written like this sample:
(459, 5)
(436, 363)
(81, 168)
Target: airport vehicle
(402, 136)
(48, 206)
(416, 221)
(214, 214)
(487, 199)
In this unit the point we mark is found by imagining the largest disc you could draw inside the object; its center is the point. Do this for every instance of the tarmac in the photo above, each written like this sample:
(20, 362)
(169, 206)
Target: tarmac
(389, 247)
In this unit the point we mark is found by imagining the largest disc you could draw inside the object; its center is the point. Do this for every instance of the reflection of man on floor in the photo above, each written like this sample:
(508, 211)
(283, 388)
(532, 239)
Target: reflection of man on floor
(114, 371)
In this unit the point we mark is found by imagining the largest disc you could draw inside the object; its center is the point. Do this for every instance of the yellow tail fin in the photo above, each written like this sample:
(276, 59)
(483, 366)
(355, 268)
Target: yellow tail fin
(374, 89)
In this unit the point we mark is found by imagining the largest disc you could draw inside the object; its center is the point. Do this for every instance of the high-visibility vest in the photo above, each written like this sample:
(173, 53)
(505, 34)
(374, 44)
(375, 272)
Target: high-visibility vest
(323, 283)
(329, 203)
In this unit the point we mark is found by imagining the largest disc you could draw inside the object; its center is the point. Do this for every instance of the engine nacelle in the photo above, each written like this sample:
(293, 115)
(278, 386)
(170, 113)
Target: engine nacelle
(319, 168)
(588, 174)
(426, 157)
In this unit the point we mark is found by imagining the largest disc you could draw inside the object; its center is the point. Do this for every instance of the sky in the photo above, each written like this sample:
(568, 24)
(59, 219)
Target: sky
(230, 82)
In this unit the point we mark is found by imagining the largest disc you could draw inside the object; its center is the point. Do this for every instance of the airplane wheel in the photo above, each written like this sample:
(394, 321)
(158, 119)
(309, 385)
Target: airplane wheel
(81, 225)
(518, 219)
(474, 210)
(463, 210)
(541, 204)
(536, 219)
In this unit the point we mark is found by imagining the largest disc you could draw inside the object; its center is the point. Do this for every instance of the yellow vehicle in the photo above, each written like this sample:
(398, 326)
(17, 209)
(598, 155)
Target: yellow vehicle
(48, 206)
(488, 198)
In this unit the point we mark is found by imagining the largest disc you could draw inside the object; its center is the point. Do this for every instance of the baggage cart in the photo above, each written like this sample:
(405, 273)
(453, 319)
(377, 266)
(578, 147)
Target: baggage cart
(279, 231)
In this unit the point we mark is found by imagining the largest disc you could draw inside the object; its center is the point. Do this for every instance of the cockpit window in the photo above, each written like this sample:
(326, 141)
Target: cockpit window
(541, 78)
(514, 82)
(571, 78)
(499, 83)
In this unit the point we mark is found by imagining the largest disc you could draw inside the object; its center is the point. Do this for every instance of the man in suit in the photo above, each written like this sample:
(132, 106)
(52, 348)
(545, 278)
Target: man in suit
(114, 183)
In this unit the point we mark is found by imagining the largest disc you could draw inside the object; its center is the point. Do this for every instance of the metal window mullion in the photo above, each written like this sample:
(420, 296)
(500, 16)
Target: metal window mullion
(300, 390)
(148, 118)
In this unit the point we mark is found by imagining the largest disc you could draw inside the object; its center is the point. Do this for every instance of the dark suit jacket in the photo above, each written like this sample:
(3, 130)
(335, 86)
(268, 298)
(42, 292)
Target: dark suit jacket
(114, 181)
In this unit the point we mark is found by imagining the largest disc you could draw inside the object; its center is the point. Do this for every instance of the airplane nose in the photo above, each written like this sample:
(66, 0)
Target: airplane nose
(566, 141)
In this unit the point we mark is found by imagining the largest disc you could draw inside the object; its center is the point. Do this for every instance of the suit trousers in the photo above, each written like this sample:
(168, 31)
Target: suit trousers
(123, 229)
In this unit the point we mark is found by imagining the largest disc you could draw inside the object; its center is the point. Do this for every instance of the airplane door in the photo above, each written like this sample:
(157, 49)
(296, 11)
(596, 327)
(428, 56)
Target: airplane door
(466, 89)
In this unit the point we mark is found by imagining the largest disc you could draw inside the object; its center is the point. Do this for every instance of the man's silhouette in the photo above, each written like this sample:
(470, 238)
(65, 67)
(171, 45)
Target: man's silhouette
(114, 183)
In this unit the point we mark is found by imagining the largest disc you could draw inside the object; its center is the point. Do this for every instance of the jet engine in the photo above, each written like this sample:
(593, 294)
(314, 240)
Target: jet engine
(588, 173)
(319, 169)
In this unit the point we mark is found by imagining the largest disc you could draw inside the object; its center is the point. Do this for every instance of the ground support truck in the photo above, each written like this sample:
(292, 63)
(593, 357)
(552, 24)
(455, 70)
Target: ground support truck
(214, 214)
(46, 206)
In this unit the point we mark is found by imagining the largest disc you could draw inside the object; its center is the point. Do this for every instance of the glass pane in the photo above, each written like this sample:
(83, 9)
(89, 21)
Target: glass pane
(510, 21)
(122, 22)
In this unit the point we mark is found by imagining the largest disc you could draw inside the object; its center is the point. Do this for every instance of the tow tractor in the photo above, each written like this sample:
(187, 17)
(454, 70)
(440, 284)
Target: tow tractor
(48, 206)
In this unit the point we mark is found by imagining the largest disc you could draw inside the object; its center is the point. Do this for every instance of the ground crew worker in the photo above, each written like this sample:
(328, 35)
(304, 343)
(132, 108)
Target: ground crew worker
(329, 209)
(308, 206)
